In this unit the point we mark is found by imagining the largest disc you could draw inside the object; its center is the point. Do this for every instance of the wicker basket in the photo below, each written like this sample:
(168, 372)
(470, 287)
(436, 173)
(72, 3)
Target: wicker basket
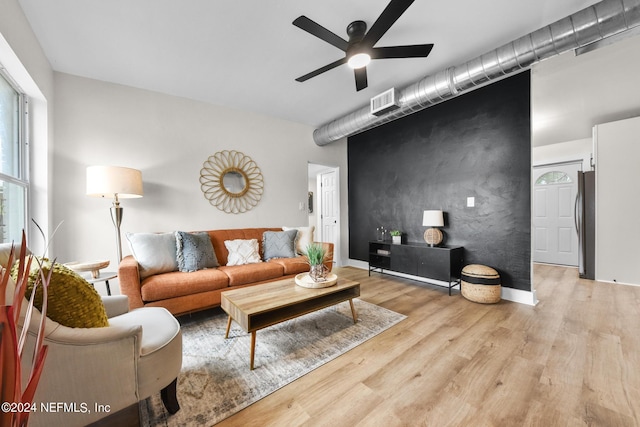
(480, 283)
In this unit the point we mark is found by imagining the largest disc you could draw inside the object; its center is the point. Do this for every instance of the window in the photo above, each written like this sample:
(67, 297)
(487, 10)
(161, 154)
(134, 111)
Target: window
(14, 184)
(555, 177)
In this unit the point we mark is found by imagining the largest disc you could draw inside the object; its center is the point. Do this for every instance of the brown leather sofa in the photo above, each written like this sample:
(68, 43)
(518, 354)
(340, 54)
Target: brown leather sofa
(186, 292)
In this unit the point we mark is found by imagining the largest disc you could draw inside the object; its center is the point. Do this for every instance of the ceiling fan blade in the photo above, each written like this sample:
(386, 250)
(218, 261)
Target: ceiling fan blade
(361, 78)
(321, 32)
(410, 51)
(322, 70)
(387, 18)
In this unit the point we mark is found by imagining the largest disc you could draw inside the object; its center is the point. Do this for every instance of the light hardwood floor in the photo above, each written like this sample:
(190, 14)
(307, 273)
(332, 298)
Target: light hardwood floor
(572, 360)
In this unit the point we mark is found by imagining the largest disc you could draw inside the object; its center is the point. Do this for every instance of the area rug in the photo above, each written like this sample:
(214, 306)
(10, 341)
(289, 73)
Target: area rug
(216, 382)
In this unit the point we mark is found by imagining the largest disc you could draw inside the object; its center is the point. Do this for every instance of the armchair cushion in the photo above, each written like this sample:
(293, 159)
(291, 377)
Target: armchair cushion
(115, 305)
(158, 325)
(71, 300)
(5, 250)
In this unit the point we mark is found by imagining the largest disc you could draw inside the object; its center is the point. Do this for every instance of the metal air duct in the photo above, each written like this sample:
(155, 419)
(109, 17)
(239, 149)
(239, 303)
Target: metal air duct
(587, 26)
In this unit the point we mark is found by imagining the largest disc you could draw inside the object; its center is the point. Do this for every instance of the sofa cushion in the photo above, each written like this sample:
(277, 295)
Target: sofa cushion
(194, 251)
(279, 244)
(155, 252)
(175, 284)
(242, 252)
(303, 239)
(251, 273)
(71, 300)
(292, 265)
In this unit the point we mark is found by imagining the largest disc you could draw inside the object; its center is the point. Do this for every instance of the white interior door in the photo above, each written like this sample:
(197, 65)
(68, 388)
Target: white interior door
(330, 209)
(555, 239)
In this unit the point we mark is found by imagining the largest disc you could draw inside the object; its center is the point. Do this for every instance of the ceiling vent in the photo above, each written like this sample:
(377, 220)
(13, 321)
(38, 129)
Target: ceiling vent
(385, 102)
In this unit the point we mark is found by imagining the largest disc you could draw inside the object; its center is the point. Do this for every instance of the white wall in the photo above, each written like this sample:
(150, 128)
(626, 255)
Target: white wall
(168, 138)
(570, 94)
(580, 149)
(617, 201)
(22, 56)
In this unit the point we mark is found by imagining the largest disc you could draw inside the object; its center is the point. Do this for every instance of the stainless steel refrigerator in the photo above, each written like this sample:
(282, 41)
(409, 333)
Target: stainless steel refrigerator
(585, 218)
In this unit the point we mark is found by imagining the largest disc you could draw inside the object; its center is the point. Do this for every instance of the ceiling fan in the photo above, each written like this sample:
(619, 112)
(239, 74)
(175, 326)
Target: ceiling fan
(360, 50)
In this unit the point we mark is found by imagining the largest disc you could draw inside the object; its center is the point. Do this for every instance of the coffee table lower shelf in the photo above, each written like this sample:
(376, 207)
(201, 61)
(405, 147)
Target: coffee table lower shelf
(260, 306)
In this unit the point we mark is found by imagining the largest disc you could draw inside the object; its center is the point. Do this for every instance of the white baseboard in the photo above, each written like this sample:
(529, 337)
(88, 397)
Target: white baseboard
(518, 295)
(358, 264)
(509, 294)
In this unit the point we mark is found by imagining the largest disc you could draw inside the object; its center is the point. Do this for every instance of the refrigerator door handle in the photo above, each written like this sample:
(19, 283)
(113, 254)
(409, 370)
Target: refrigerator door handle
(576, 213)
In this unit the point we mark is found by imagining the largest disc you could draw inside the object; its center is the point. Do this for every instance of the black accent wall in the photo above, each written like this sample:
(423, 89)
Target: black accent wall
(476, 145)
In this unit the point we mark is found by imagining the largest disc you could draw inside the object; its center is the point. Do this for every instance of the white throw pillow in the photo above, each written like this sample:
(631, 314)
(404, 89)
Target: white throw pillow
(303, 239)
(242, 251)
(155, 252)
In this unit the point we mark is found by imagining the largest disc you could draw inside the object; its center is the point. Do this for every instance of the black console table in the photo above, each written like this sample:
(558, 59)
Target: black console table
(442, 263)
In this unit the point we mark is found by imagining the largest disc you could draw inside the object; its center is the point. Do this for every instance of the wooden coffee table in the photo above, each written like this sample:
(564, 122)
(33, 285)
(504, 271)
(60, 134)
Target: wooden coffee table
(259, 306)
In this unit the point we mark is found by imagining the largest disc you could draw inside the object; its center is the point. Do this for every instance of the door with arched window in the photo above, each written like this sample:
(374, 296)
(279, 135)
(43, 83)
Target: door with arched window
(555, 239)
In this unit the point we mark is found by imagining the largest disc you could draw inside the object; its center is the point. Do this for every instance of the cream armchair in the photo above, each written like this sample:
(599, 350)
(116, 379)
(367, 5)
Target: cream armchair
(97, 372)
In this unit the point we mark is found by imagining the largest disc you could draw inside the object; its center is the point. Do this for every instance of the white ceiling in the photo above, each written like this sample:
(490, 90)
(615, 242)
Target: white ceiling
(246, 54)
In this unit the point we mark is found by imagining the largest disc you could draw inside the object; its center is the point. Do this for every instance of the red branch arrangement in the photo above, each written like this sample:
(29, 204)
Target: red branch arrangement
(11, 348)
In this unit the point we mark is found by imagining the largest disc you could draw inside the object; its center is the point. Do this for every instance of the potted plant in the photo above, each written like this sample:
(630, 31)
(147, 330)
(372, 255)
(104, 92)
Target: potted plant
(12, 339)
(396, 236)
(316, 255)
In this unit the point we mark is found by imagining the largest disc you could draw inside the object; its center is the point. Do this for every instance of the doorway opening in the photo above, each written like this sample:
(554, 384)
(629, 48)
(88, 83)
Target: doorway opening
(324, 205)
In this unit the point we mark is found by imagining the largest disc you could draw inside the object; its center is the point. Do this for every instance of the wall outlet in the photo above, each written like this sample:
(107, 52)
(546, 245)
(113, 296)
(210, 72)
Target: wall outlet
(471, 202)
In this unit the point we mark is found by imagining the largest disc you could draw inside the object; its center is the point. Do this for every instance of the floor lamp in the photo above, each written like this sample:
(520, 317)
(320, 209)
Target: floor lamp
(117, 183)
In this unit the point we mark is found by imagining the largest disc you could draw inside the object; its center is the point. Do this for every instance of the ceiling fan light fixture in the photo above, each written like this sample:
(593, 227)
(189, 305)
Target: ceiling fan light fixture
(360, 48)
(359, 60)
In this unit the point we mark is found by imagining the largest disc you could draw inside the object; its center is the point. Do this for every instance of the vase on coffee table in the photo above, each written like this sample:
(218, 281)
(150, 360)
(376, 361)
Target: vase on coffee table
(318, 272)
(316, 256)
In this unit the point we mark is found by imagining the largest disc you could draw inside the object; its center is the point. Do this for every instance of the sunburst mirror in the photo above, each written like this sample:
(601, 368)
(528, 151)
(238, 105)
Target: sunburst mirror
(231, 181)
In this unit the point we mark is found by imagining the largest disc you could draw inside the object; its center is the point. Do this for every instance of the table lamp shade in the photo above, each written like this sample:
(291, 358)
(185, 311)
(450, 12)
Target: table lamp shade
(433, 236)
(433, 219)
(112, 181)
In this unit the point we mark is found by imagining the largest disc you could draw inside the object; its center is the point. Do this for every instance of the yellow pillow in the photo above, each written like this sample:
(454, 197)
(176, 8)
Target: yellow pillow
(71, 301)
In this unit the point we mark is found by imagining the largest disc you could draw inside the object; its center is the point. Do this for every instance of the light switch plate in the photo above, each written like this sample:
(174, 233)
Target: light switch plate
(471, 202)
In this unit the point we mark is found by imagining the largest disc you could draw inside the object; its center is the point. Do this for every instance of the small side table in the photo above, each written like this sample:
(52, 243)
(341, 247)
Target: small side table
(105, 276)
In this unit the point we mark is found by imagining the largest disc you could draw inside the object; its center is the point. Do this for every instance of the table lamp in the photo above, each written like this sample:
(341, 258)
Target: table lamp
(118, 183)
(433, 236)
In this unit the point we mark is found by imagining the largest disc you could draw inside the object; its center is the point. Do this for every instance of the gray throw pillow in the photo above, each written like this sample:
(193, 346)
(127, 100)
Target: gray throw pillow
(195, 251)
(279, 244)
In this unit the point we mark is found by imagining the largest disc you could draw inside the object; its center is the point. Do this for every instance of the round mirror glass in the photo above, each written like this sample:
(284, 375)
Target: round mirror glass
(234, 182)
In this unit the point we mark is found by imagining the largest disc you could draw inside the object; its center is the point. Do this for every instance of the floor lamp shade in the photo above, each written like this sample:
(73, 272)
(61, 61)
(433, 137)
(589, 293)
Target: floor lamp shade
(114, 182)
(433, 219)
